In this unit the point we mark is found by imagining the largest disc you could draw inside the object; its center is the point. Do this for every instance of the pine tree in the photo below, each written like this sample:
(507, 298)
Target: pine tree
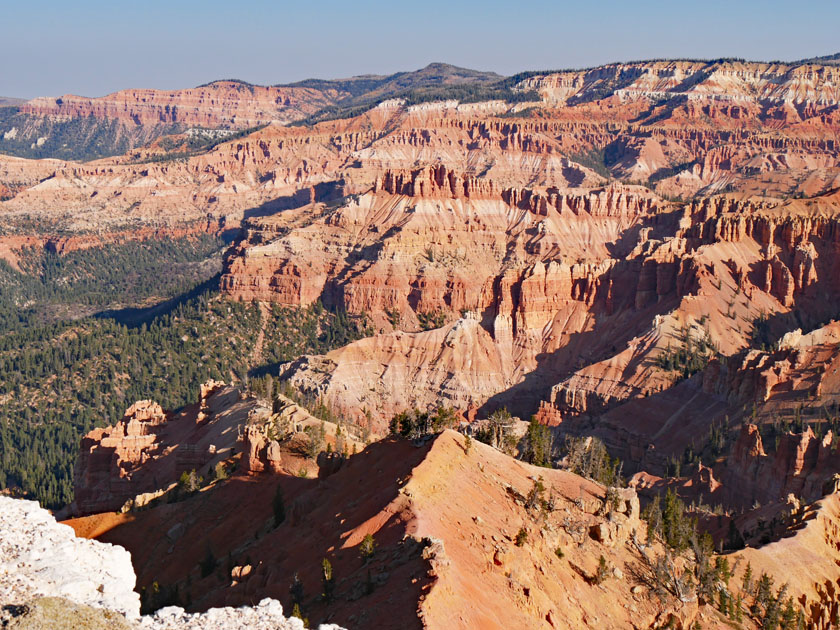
(368, 547)
(209, 563)
(602, 572)
(296, 589)
(747, 582)
(327, 580)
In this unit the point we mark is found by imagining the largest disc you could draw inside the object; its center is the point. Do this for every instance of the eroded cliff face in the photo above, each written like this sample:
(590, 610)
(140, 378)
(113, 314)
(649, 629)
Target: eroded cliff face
(804, 561)
(144, 454)
(716, 127)
(278, 443)
(543, 256)
(221, 104)
(541, 293)
(703, 80)
(801, 464)
(782, 389)
(751, 484)
(445, 520)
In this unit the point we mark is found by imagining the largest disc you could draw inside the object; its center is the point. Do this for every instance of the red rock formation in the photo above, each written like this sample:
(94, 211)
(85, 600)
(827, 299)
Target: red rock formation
(445, 520)
(108, 456)
(452, 250)
(407, 213)
(148, 449)
(228, 104)
(801, 466)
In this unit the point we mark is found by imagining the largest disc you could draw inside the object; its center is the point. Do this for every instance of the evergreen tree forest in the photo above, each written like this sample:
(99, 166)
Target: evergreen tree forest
(60, 377)
(48, 286)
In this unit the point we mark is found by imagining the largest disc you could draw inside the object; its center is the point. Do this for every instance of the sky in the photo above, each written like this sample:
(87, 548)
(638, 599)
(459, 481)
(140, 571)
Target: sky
(94, 47)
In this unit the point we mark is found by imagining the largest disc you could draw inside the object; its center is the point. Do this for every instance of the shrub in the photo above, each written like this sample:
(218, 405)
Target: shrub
(368, 547)
(521, 537)
(296, 589)
(190, 481)
(327, 580)
(602, 572)
(535, 495)
(220, 472)
(297, 613)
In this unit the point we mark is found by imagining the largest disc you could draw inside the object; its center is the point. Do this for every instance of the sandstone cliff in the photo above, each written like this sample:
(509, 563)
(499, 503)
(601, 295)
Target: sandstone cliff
(448, 522)
(544, 257)
(146, 452)
(445, 521)
(226, 104)
(576, 295)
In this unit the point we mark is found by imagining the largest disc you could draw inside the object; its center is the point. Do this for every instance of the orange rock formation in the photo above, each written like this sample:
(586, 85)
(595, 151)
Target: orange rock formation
(148, 449)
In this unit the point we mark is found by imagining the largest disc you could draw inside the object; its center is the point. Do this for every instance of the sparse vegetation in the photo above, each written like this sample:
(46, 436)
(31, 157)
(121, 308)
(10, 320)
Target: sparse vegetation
(690, 356)
(209, 563)
(588, 457)
(367, 547)
(431, 320)
(538, 444)
(416, 88)
(190, 482)
(416, 424)
(62, 377)
(195, 144)
(535, 495)
(327, 581)
(79, 138)
(602, 572)
(593, 160)
(670, 522)
(297, 613)
(317, 440)
(220, 472)
(296, 590)
(497, 431)
(701, 574)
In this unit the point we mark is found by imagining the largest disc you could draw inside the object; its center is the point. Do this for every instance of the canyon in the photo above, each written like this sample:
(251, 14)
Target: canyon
(643, 256)
(449, 518)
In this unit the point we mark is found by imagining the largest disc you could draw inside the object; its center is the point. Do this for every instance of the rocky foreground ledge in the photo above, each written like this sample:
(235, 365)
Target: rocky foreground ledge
(49, 578)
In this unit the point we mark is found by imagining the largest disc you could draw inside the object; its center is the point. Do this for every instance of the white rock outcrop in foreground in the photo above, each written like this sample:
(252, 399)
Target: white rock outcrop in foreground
(39, 557)
(42, 558)
(267, 615)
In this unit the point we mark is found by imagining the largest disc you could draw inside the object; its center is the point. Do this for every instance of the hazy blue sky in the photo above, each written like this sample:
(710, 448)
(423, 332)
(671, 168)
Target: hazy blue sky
(93, 47)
